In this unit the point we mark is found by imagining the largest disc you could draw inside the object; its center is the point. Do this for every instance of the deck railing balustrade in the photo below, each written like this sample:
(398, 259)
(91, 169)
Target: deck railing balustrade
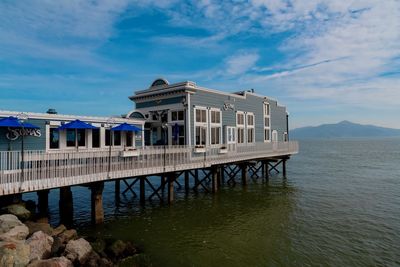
(44, 170)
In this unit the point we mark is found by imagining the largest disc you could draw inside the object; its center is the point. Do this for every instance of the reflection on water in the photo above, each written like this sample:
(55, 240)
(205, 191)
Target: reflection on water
(340, 206)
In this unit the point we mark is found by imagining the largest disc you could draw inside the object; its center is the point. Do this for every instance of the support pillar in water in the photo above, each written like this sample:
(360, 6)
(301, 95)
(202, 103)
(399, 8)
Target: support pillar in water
(117, 192)
(284, 168)
(66, 206)
(43, 202)
(171, 180)
(214, 179)
(142, 190)
(187, 182)
(245, 172)
(97, 202)
(221, 175)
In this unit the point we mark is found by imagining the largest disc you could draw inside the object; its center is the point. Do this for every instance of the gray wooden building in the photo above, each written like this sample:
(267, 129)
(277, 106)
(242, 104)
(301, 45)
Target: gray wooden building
(187, 114)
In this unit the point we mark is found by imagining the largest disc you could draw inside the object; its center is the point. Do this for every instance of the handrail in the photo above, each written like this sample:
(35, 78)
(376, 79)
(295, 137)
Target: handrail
(44, 170)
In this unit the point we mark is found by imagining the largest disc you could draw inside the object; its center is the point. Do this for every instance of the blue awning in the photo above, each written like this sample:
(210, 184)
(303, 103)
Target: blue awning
(126, 127)
(77, 124)
(13, 122)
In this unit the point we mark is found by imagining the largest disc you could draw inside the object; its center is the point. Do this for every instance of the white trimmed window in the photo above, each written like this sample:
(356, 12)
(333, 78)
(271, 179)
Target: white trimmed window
(200, 126)
(230, 135)
(250, 127)
(177, 115)
(240, 126)
(267, 123)
(216, 127)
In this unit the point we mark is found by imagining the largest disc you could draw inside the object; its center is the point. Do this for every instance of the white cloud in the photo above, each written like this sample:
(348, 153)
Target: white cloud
(240, 63)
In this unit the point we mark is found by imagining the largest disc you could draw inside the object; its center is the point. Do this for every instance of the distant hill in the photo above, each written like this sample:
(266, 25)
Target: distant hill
(343, 129)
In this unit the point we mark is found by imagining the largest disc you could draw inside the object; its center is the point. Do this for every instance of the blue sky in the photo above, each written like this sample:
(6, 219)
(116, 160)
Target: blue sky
(325, 60)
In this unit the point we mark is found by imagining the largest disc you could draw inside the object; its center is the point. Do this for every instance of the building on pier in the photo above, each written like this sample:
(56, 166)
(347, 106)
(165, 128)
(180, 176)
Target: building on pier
(176, 131)
(187, 114)
(50, 138)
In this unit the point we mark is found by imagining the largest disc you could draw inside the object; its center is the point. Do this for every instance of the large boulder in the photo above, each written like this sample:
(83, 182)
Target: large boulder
(53, 262)
(41, 245)
(59, 230)
(18, 210)
(36, 226)
(78, 250)
(68, 235)
(14, 254)
(11, 228)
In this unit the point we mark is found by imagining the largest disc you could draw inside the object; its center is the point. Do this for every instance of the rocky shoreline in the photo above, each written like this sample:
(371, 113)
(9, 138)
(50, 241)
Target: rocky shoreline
(37, 244)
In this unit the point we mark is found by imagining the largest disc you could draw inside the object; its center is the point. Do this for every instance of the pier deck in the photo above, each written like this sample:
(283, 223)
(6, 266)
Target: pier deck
(42, 170)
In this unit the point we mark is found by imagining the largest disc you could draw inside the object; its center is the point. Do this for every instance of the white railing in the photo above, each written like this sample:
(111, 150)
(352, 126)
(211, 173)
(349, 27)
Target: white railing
(41, 170)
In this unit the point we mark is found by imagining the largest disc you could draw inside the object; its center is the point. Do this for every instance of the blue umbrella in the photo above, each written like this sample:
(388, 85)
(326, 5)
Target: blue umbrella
(77, 124)
(11, 122)
(126, 127)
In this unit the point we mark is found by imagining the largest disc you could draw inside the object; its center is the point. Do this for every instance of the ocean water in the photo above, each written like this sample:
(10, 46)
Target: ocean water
(338, 206)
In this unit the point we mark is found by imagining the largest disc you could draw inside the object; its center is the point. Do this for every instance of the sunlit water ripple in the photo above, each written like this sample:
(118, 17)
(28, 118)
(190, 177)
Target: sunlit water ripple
(339, 206)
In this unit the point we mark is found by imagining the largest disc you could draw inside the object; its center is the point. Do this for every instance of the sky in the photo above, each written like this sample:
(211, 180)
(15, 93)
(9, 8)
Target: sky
(326, 60)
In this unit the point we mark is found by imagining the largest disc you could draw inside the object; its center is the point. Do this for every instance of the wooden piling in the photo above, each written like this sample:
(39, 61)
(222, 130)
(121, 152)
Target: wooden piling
(66, 206)
(214, 179)
(171, 180)
(222, 174)
(187, 182)
(284, 168)
(117, 192)
(142, 190)
(43, 202)
(97, 202)
(245, 173)
(196, 179)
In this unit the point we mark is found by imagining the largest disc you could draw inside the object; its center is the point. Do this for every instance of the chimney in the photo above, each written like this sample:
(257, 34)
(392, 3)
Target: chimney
(51, 111)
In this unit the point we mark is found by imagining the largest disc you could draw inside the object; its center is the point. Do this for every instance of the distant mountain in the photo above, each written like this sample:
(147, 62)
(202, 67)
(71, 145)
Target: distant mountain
(343, 129)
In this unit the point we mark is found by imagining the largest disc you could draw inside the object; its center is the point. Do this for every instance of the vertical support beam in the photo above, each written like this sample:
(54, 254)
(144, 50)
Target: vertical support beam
(266, 169)
(222, 174)
(196, 178)
(117, 192)
(214, 179)
(66, 206)
(284, 167)
(142, 190)
(97, 202)
(43, 202)
(187, 182)
(171, 179)
(163, 182)
(245, 172)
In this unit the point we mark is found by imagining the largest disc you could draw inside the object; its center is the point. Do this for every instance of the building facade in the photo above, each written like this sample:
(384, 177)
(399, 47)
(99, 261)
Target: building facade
(186, 114)
(50, 138)
(173, 114)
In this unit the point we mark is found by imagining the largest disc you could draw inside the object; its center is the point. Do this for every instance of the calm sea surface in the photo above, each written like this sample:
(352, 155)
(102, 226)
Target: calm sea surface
(339, 206)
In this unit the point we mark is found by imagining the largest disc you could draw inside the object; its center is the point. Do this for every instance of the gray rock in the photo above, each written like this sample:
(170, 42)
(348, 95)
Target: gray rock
(53, 262)
(14, 254)
(40, 244)
(11, 228)
(36, 226)
(68, 235)
(78, 250)
(18, 210)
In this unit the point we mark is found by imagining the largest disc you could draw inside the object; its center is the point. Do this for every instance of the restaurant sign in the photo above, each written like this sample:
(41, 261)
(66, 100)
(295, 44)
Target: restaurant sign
(14, 134)
(229, 106)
